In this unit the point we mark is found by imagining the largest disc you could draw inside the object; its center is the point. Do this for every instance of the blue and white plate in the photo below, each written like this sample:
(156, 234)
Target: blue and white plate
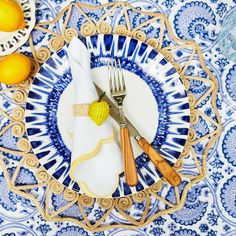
(156, 103)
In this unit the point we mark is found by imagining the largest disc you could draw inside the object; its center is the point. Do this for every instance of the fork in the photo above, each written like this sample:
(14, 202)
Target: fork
(118, 92)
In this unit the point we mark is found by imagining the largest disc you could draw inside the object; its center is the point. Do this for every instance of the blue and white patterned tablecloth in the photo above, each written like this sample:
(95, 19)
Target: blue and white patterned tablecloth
(210, 208)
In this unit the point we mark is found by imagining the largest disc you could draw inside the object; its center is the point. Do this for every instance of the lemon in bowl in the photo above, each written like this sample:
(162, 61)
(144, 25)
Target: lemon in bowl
(11, 16)
(15, 68)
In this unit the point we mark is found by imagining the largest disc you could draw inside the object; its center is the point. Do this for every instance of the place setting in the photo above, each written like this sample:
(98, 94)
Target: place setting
(45, 114)
(102, 117)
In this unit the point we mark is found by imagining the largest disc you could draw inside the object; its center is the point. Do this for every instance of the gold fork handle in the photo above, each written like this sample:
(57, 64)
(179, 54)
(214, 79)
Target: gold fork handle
(161, 164)
(128, 157)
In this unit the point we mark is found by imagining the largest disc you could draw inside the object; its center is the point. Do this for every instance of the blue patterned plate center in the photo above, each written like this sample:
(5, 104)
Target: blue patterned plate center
(46, 126)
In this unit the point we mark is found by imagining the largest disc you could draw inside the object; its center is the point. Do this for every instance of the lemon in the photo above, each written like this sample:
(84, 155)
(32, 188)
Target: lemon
(11, 16)
(14, 68)
(99, 111)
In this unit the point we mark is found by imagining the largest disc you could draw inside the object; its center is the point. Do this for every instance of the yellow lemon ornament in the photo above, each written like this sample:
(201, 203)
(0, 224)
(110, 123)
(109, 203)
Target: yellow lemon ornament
(14, 68)
(11, 16)
(99, 110)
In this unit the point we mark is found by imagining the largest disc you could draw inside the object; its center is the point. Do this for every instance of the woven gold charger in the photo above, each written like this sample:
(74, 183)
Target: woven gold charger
(192, 165)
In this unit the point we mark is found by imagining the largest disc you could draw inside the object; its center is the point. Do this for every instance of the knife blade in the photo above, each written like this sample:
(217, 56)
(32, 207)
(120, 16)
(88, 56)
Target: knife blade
(114, 112)
(161, 164)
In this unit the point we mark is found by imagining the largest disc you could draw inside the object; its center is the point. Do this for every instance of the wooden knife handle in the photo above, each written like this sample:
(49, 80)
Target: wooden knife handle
(128, 157)
(161, 164)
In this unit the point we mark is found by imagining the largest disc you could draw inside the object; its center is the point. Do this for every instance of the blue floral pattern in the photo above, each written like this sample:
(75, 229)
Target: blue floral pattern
(210, 209)
(229, 146)
(231, 82)
(9, 200)
(193, 210)
(72, 231)
(194, 20)
(9, 141)
(59, 201)
(44, 229)
(185, 232)
(197, 22)
(228, 196)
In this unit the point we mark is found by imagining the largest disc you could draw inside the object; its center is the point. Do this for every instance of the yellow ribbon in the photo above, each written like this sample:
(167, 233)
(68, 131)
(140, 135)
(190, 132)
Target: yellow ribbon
(86, 157)
(81, 109)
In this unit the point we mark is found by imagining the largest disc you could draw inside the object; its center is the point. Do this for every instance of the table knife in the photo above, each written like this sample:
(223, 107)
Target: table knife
(161, 164)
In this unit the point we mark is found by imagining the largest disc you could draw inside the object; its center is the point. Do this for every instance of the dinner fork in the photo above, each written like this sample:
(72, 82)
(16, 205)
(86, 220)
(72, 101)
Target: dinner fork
(118, 92)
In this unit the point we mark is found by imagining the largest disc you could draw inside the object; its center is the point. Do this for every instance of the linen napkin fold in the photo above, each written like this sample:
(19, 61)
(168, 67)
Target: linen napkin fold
(96, 161)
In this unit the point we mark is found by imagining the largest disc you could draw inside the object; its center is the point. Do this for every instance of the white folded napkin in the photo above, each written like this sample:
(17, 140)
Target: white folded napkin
(96, 160)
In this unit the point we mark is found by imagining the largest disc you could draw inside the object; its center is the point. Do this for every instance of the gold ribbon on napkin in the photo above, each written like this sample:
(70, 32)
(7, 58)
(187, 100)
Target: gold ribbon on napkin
(81, 109)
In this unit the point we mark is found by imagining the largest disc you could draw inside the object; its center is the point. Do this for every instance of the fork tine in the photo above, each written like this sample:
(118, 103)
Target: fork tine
(122, 77)
(110, 77)
(113, 77)
(117, 77)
